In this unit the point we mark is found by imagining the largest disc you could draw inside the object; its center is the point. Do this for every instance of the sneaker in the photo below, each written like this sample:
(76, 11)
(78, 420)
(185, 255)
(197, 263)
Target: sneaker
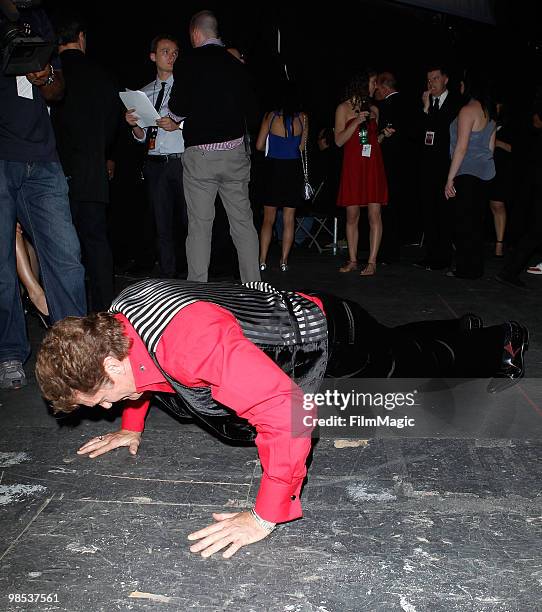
(512, 367)
(535, 269)
(12, 375)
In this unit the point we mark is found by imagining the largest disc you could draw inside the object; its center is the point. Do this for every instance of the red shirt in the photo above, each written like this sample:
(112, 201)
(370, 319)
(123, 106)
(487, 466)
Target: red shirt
(204, 346)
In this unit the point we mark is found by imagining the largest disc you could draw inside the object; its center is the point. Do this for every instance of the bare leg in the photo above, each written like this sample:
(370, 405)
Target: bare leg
(269, 214)
(375, 237)
(26, 274)
(499, 218)
(352, 237)
(34, 264)
(288, 215)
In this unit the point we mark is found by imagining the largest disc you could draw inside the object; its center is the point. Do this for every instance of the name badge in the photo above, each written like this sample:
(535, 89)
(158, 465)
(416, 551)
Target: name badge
(429, 138)
(366, 150)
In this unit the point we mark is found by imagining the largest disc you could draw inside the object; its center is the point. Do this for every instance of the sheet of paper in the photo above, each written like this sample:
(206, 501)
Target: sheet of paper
(24, 88)
(144, 110)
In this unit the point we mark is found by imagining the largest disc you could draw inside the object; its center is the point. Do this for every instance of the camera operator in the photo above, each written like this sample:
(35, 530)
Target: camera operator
(33, 191)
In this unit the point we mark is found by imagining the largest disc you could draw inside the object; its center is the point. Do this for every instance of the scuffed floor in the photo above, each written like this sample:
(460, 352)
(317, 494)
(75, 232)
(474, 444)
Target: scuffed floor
(415, 525)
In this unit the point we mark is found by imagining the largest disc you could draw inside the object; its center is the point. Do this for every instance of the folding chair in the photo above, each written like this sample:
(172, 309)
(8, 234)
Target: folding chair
(324, 223)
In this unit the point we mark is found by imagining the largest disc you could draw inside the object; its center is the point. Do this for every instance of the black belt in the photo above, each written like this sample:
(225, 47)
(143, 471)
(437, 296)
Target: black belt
(164, 158)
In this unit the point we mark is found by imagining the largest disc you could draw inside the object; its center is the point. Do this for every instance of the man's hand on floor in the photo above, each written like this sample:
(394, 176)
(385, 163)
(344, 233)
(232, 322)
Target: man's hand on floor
(233, 529)
(100, 445)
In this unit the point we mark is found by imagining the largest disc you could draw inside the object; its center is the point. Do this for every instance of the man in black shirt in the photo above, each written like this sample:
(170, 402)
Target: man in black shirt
(85, 123)
(212, 91)
(34, 192)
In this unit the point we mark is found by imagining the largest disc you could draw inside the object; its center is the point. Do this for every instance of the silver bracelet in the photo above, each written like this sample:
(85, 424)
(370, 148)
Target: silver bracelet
(267, 525)
(51, 78)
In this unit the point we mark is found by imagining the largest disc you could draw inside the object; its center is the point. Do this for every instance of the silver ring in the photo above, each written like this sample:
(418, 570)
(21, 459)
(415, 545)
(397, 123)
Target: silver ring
(100, 437)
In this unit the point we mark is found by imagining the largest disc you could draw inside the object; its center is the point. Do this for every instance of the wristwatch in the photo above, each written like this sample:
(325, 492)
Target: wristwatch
(267, 525)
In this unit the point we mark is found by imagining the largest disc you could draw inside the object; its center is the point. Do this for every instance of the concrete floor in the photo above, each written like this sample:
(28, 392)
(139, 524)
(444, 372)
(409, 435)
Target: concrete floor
(413, 524)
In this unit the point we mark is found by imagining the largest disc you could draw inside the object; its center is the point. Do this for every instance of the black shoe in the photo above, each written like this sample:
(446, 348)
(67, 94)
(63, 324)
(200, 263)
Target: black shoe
(510, 281)
(512, 368)
(32, 309)
(424, 264)
(454, 274)
(436, 267)
(470, 321)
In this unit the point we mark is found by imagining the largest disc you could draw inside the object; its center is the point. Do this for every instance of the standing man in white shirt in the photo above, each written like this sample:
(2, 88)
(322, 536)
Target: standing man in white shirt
(163, 170)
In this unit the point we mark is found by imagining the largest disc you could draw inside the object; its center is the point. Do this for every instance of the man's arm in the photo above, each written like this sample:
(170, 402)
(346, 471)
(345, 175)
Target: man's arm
(133, 423)
(49, 82)
(205, 346)
(179, 97)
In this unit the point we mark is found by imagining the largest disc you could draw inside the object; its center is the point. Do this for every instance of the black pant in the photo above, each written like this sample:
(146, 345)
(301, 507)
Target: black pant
(469, 205)
(531, 240)
(360, 346)
(166, 196)
(90, 220)
(436, 215)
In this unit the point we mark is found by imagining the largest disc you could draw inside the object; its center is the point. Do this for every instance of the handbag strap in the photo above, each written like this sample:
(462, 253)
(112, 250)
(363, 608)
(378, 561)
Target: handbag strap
(304, 155)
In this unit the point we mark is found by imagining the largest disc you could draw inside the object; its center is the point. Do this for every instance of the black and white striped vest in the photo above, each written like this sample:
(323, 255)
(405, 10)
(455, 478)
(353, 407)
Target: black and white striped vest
(290, 329)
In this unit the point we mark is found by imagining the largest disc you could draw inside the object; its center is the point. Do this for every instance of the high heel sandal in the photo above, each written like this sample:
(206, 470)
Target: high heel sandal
(283, 267)
(369, 270)
(349, 266)
(263, 266)
(499, 248)
(32, 309)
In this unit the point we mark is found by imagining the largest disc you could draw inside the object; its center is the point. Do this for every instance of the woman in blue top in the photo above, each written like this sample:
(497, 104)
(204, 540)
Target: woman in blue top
(283, 135)
(472, 142)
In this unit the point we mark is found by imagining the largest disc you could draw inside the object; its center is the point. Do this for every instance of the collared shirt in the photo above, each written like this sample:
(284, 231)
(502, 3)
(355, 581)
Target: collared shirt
(204, 346)
(166, 142)
(440, 98)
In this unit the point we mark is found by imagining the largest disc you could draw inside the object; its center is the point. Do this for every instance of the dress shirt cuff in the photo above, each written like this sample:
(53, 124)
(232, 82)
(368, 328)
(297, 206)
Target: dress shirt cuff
(140, 139)
(133, 415)
(176, 118)
(278, 502)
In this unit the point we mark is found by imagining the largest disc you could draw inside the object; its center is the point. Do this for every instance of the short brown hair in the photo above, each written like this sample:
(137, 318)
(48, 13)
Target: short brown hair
(206, 22)
(71, 357)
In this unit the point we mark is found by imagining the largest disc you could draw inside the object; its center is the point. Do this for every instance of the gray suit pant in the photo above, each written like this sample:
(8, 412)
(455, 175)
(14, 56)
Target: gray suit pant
(227, 173)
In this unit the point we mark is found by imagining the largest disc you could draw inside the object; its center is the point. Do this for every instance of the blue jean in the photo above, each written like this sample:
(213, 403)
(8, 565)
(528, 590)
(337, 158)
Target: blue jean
(36, 194)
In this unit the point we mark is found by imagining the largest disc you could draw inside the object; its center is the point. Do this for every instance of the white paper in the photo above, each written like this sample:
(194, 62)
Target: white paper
(144, 110)
(24, 88)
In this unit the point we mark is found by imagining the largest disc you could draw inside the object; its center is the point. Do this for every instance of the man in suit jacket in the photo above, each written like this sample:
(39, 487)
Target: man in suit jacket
(212, 91)
(393, 123)
(440, 107)
(85, 124)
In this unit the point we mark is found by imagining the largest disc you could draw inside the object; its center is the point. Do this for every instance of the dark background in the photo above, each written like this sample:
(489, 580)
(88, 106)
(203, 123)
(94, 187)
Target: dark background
(322, 46)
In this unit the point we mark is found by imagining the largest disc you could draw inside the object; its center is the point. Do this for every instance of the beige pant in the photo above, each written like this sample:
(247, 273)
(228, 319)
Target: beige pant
(227, 173)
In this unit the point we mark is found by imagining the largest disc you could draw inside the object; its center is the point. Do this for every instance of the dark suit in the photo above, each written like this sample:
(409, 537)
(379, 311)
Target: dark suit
(85, 123)
(434, 166)
(395, 153)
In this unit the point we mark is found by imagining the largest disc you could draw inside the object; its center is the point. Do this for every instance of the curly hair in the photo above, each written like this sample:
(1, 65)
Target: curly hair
(71, 357)
(357, 88)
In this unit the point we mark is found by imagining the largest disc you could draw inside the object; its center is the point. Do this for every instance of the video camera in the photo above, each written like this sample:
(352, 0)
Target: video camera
(21, 51)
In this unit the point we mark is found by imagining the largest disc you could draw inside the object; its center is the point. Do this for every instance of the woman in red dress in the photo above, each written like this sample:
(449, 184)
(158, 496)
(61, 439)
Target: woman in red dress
(363, 179)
